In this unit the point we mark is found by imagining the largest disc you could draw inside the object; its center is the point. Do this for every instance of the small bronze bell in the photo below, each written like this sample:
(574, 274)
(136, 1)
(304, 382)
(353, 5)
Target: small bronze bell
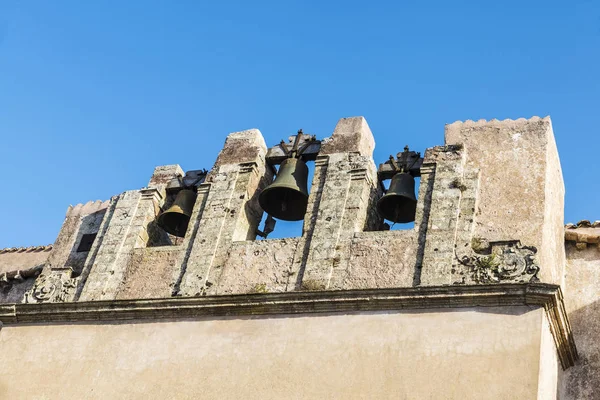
(175, 220)
(287, 197)
(399, 204)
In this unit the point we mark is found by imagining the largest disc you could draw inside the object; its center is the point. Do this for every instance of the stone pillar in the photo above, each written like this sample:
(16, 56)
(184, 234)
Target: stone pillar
(124, 229)
(339, 203)
(228, 211)
(447, 165)
(163, 174)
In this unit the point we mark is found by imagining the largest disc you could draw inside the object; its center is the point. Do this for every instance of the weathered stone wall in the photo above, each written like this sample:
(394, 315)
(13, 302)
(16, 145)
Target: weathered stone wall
(521, 190)
(471, 221)
(149, 273)
(582, 299)
(229, 211)
(128, 225)
(80, 220)
(472, 353)
(379, 260)
(259, 267)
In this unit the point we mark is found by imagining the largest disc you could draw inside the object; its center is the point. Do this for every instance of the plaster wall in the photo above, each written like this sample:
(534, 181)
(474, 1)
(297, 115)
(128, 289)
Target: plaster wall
(548, 371)
(23, 259)
(582, 300)
(471, 353)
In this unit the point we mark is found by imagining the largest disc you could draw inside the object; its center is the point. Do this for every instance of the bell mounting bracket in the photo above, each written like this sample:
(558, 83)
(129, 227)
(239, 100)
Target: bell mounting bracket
(303, 146)
(191, 180)
(406, 161)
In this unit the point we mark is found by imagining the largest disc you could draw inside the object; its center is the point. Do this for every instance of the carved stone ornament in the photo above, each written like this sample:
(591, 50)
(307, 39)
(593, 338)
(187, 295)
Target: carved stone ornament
(508, 261)
(54, 286)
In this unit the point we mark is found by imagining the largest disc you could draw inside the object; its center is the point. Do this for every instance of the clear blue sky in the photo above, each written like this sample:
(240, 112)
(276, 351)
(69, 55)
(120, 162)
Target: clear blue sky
(94, 94)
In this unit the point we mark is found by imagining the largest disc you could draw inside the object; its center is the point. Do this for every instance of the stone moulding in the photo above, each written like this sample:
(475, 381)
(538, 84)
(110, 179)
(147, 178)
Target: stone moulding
(529, 294)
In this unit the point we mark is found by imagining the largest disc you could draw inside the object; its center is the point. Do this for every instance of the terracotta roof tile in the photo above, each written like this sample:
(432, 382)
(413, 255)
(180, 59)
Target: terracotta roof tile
(583, 233)
(29, 249)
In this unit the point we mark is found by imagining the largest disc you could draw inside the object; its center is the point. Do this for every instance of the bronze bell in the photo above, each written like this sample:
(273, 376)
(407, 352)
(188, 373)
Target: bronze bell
(399, 204)
(287, 197)
(175, 220)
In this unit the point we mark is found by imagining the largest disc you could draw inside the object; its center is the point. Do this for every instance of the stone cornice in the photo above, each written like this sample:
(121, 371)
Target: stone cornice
(533, 294)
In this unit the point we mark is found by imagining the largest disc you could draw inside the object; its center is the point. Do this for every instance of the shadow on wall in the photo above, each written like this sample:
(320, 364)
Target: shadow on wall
(583, 380)
(14, 292)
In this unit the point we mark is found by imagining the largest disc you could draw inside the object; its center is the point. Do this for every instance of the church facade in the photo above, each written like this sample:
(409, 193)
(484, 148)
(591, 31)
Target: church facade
(176, 291)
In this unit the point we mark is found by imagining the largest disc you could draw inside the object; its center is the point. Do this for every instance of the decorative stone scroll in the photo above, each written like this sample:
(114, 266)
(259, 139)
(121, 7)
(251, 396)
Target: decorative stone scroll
(505, 262)
(52, 286)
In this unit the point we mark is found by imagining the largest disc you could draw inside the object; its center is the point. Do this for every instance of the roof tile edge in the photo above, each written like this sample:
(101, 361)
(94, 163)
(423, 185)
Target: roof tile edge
(29, 249)
(470, 122)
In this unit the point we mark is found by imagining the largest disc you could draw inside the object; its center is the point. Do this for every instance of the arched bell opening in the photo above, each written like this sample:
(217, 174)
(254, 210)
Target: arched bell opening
(400, 226)
(174, 221)
(399, 180)
(285, 228)
(285, 200)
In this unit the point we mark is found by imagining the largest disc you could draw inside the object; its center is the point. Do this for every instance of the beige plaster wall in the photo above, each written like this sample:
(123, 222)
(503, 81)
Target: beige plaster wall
(549, 365)
(23, 259)
(582, 300)
(478, 353)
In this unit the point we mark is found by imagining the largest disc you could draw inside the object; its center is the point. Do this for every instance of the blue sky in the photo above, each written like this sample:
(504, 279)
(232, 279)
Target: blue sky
(93, 95)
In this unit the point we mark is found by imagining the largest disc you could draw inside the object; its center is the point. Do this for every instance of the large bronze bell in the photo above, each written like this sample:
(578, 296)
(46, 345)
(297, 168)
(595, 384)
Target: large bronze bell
(175, 220)
(399, 204)
(287, 197)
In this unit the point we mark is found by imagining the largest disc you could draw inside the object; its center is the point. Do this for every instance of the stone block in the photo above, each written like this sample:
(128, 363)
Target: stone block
(163, 174)
(351, 135)
(262, 266)
(242, 147)
(379, 260)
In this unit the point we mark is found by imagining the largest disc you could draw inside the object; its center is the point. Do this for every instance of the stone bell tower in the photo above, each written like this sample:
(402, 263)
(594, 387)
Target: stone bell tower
(468, 304)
